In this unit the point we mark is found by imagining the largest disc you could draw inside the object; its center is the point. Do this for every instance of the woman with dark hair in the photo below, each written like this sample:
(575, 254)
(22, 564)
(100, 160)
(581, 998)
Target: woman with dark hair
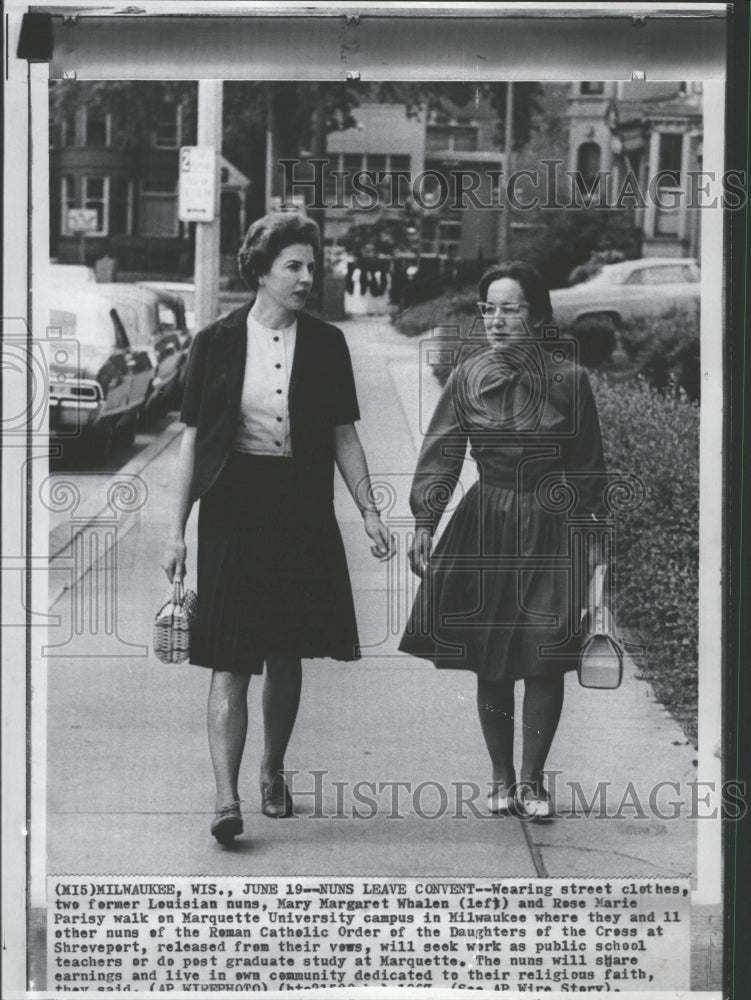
(269, 408)
(500, 591)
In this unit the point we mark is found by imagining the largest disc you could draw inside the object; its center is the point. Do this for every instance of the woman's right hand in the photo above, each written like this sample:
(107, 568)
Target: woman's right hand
(173, 563)
(419, 551)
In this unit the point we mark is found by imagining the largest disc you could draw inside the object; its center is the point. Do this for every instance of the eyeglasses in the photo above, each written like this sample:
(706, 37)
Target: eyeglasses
(487, 309)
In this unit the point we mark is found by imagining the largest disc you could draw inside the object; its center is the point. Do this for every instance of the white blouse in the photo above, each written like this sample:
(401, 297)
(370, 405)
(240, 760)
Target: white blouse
(263, 424)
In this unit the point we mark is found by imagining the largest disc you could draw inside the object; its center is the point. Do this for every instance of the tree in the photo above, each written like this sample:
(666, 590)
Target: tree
(134, 104)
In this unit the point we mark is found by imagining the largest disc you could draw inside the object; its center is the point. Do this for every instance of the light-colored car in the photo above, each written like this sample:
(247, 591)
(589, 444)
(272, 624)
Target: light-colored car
(71, 274)
(98, 389)
(630, 290)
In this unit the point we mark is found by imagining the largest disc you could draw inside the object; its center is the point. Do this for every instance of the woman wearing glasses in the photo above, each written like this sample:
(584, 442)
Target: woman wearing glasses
(498, 595)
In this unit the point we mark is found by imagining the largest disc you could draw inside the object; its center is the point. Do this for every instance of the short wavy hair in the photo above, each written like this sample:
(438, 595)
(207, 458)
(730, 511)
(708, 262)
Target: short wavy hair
(535, 290)
(266, 239)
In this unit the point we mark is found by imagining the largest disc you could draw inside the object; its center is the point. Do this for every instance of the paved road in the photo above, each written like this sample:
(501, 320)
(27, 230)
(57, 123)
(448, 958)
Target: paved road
(129, 779)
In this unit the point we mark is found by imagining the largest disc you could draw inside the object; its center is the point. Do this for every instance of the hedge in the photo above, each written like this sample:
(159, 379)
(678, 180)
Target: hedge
(656, 437)
(666, 349)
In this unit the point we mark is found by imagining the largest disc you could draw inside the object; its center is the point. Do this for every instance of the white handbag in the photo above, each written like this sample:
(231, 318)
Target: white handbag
(601, 657)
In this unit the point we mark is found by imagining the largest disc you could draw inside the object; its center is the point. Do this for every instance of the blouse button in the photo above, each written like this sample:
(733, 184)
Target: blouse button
(277, 366)
(278, 392)
(278, 420)
(278, 444)
(276, 339)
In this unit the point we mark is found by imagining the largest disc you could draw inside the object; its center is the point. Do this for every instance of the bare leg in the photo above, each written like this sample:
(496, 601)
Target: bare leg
(543, 701)
(281, 698)
(495, 706)
(227, 718)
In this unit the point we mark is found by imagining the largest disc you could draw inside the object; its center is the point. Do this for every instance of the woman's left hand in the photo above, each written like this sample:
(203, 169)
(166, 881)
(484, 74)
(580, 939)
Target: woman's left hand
(385, 545)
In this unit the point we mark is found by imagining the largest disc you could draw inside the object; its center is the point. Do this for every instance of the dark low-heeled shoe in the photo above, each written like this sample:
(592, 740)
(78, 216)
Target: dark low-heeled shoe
(276, 802)
(228, 823)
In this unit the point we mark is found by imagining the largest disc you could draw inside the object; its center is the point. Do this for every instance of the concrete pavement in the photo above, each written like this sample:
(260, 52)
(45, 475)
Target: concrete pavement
(128, 774)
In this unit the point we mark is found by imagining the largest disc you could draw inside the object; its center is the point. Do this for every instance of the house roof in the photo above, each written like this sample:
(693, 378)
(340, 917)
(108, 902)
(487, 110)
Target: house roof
(629, 111)
(235, 178)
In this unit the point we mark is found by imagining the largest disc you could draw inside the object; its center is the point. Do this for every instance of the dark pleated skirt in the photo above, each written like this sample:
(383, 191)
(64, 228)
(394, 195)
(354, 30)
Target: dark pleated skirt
(498, 596)
(272, 572)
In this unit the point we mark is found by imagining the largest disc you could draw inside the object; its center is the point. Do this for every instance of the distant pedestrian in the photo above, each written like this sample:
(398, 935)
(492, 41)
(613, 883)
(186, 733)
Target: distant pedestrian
(496, 596)
(270, 406)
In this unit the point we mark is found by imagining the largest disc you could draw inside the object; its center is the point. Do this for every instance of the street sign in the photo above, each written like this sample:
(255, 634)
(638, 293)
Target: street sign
(83, 220)
(196, 200)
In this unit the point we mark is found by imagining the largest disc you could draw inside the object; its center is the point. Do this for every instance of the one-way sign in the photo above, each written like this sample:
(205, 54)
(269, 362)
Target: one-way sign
(196, 201)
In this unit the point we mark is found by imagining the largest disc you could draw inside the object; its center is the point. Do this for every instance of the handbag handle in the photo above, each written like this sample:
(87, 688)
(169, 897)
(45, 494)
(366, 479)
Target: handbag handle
(597, 585)
(178, 592)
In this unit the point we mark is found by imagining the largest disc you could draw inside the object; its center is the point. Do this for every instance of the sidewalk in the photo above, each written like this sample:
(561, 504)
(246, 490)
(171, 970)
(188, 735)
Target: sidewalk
(129, 778)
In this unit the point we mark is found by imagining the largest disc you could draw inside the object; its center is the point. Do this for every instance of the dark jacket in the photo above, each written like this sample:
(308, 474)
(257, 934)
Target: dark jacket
(321, 395)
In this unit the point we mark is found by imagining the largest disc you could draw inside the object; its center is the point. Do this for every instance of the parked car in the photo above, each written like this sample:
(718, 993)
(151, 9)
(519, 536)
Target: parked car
(97, 391)
(183, 290)
(153, 320)
(71, 274)
(177, 314)
(632, 289)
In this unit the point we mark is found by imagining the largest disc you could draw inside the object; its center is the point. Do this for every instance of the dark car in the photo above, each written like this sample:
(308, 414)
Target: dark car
(97, 391)
(154, 321)
(177, 313)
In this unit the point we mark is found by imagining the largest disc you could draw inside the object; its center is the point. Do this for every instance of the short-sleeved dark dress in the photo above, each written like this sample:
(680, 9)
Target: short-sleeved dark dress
(502, 595)
(272, 572)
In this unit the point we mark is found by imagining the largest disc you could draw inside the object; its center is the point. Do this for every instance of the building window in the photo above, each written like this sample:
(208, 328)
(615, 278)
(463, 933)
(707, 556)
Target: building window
(98, 128)
(158, 207)
(95, 193)
(588, 160)
(351, 163)
(669, 166)
(67, 200)
(63, 131)
(440, 236)
(167, 129)
(592, 87)
(451, 138)
(465, 140)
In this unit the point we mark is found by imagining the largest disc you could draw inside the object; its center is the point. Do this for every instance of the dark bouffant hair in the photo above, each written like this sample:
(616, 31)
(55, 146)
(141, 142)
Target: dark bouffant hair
(266, 239)
(534, 288)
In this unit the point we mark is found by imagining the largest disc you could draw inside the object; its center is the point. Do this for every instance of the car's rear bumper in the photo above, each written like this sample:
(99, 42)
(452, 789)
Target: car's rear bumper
(73, 414)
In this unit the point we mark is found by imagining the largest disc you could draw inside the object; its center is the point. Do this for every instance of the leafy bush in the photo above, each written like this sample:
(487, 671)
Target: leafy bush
(594, 265)
(666, 349)
(655, 436)
(383, 236)
(568, 237)
(452, 308)
(596, 338)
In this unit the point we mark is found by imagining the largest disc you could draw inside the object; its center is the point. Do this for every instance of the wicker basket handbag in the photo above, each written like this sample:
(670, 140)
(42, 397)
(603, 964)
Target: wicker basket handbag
(173, 623)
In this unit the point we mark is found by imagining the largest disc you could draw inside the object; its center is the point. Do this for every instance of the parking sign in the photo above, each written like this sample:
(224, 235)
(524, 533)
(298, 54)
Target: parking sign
(196, 200)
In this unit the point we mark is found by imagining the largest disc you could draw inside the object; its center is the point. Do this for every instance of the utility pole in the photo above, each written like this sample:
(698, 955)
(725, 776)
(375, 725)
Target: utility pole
(504, 241)
(208, 233)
